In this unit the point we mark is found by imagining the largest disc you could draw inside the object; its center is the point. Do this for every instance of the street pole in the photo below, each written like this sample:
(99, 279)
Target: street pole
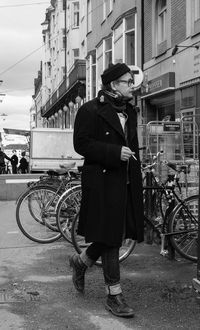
(196, 281)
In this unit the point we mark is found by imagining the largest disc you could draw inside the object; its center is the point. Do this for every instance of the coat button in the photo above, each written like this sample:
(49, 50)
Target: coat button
(104, 171)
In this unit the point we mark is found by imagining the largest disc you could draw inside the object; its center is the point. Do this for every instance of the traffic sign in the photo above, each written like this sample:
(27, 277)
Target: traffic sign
(138, 75)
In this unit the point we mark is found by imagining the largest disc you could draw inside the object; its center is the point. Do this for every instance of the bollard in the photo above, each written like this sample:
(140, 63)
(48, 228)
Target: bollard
(196, 281)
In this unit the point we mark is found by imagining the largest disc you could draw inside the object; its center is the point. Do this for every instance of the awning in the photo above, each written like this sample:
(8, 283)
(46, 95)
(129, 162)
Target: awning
(16, 131)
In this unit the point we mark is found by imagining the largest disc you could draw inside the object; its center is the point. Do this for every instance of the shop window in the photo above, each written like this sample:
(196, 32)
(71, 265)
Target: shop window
(188, 97)
(189, 133)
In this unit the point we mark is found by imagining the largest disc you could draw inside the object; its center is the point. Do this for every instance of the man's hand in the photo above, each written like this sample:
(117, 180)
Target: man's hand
(126, 153)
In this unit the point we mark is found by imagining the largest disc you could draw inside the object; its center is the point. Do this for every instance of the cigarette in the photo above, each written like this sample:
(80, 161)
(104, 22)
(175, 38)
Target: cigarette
(134, 157)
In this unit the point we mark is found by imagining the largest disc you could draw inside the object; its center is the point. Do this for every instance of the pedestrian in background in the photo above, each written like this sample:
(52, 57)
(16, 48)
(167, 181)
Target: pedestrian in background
(23, 164)
(3, 156)
(105, 133)
(14, 162)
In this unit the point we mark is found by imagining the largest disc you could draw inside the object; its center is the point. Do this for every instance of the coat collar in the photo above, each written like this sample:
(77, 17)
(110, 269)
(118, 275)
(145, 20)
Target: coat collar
(110, 115)
(106, 111)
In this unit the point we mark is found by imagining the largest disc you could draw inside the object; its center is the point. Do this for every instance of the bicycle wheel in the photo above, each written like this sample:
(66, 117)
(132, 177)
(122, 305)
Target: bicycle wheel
(47, 209)
(67, 209)
(35, 214)
(183, 224)
(79, 243)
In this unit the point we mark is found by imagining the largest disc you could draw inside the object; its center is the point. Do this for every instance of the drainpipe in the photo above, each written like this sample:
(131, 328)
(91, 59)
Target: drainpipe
(142, 35)
(142, 47)
(65, 25)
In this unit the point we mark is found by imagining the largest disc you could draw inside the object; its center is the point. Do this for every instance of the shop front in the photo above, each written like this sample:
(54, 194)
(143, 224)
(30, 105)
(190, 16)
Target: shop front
(158, 97)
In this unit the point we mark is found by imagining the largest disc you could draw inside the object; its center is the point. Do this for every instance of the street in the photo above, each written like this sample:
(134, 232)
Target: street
(36, 291)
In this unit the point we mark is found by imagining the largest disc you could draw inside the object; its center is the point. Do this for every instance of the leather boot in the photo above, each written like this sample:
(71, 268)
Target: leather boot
(78, 276)
(117, 305)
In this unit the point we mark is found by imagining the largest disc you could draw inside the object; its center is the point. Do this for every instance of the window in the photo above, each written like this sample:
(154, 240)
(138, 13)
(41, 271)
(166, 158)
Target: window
(108, 52)
(161, 20)
(130, 40)
(125, 41)
(118, 43)
(75, 53)
(89, 15)
(110, 5)
(99, 67)
(75, 14)
(189, 134)
(48, 69)
(196, 10)
(104, 9)
(93, 73)
(91, 76)
(63, 39)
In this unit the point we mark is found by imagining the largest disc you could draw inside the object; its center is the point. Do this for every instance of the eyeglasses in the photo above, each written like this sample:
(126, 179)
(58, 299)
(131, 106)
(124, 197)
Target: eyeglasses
(128, 82)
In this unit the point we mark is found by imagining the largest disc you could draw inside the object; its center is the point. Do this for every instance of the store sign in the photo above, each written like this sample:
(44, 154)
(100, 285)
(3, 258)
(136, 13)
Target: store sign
(171, 127)
(159, 84)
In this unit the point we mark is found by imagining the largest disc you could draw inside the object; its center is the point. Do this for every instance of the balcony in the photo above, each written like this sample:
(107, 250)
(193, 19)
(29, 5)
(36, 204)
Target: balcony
(78, 72)
(76, 75)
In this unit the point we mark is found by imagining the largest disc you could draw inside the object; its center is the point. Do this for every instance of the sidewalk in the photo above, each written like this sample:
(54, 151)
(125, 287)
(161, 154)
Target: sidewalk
(38, 291)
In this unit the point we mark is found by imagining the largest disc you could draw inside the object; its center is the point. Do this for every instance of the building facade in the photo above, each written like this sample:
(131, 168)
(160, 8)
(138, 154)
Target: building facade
(113, 35)
(171, 87)
(81, 38)
(63, 70)
(171, 58)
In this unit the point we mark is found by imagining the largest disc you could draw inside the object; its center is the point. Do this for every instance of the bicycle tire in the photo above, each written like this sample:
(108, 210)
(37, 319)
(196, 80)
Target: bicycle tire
(35, 215)
(79, 243)
(184, 222)
(66, 209)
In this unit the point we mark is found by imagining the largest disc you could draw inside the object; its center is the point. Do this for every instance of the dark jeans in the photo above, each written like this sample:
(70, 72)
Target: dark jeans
(110, 261)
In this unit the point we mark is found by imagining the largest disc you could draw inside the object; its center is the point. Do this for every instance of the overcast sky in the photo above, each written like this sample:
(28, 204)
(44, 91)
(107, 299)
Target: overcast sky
(20, 39)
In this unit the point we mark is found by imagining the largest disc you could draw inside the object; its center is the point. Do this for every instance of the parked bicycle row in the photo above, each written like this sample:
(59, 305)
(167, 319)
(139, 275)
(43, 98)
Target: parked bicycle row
(49, 210)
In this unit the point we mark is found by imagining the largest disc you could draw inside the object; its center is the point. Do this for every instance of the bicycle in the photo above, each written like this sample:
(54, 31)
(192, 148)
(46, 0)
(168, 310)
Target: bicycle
(179, 225)
(67, 214)
(159, 199)
(35, 211)
(179, 221)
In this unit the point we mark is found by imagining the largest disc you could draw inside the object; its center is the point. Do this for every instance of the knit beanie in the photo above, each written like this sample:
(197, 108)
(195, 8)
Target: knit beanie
(113, 72)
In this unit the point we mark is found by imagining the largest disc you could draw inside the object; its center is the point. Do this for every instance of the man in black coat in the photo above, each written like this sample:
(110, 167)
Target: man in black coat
(105, 133)
(14, 162)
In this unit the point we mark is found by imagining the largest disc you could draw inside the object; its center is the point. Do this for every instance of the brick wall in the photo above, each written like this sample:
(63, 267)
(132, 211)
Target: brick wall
(178, 21)
(147, 30)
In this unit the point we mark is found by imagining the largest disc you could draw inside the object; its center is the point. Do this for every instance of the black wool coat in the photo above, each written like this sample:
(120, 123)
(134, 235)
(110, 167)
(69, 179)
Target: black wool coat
(99, 137)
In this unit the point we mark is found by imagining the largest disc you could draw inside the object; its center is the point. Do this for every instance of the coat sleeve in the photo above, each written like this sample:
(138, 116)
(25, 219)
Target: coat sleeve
(8, 158)
(87, 144)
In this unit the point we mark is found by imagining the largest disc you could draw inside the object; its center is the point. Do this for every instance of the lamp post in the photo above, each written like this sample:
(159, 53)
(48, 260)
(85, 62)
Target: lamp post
(176, 47)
